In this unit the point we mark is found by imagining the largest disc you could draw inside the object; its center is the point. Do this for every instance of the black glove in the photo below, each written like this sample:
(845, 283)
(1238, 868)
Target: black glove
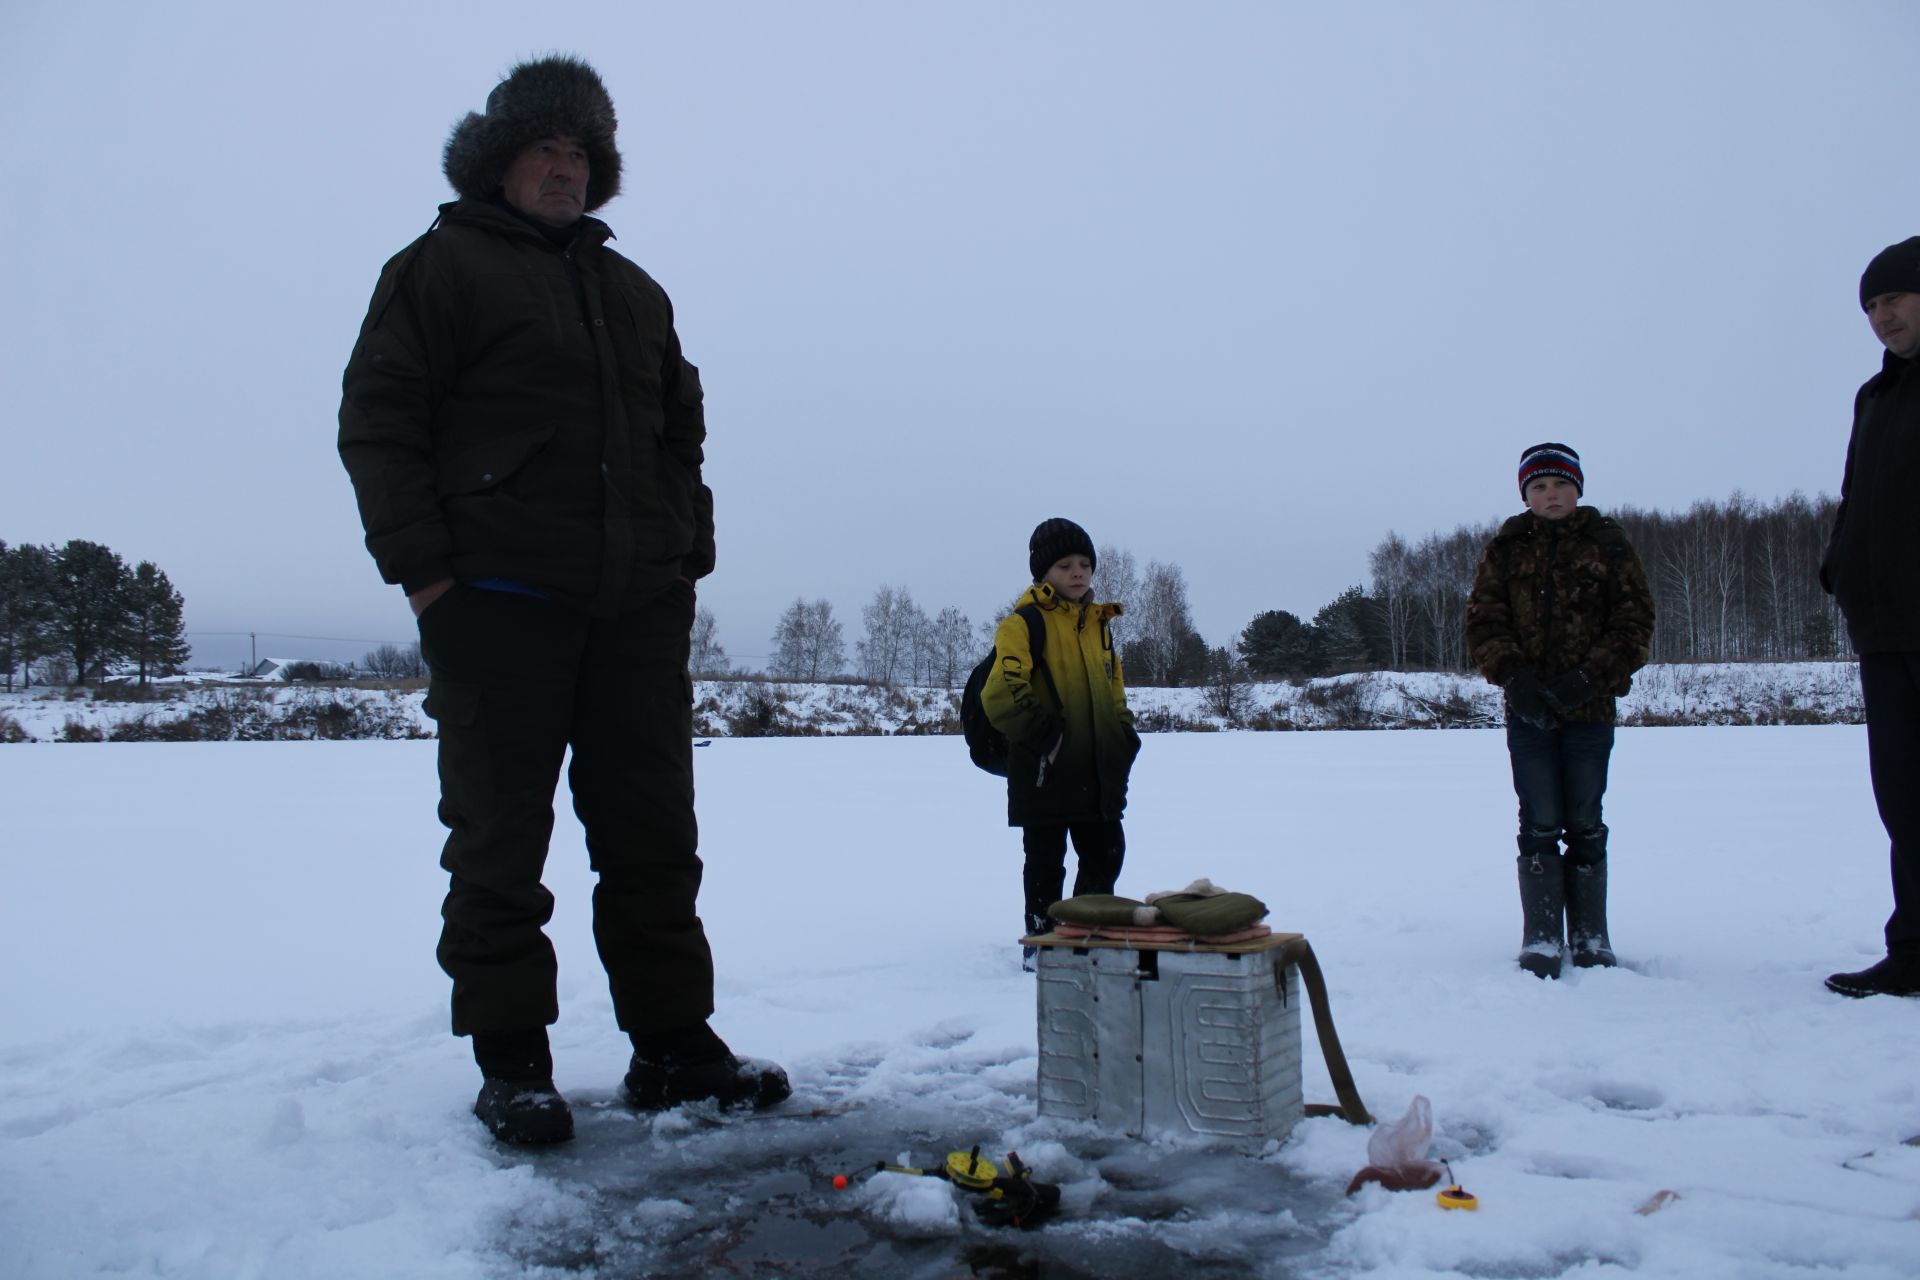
(1527, 700)
(1566, 692)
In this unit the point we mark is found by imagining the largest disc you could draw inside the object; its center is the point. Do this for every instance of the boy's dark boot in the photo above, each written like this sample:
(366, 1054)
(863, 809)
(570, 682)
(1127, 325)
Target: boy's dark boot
(1035, 925)
(1543, 903)
(692, 1064)
(1587, 915)
(517, 1101)
(1897, 975)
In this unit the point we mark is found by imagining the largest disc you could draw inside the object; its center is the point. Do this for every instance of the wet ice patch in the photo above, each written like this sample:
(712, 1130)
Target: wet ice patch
(1620, 1095)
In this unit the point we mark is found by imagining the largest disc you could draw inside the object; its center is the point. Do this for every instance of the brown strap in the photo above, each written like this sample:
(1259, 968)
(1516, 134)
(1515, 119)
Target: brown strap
(1298, 953)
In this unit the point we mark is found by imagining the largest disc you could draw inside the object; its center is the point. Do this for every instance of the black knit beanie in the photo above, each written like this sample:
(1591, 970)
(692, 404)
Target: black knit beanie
(1895, 269)
(548, 97)
(1054, 540)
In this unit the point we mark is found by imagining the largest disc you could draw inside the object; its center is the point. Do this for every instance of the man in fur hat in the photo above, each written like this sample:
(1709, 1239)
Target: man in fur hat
(1872, 567)
(524, 439)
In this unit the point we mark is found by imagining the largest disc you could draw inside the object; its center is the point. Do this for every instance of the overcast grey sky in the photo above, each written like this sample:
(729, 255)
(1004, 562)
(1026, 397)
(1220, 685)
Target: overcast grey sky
(1238, 286)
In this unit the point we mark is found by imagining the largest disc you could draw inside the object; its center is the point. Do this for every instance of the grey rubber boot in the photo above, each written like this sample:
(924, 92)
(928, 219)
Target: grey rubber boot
(1543, 902)
(1587, 915)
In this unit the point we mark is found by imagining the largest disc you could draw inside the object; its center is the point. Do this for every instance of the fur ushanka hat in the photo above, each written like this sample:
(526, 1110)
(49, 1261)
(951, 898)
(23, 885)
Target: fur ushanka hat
(556, 96)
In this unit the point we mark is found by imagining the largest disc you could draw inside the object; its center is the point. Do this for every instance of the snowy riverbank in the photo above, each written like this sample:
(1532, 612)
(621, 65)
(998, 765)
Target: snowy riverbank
(198, 710)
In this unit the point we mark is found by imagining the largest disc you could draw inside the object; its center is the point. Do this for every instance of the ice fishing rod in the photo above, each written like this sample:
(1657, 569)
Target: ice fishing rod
(1010, 1199)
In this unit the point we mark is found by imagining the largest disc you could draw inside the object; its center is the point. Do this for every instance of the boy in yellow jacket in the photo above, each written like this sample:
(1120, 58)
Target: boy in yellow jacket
(1069, 733)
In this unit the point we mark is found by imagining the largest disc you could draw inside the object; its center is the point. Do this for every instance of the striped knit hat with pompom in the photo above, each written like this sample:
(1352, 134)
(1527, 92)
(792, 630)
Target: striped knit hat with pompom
(1550, 460)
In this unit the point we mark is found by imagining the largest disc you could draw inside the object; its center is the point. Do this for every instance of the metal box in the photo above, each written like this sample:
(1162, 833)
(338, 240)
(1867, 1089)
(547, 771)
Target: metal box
(1188, 1043)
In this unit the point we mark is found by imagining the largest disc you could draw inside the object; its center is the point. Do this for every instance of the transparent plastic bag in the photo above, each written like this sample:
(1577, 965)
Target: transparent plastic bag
(1397, 1152)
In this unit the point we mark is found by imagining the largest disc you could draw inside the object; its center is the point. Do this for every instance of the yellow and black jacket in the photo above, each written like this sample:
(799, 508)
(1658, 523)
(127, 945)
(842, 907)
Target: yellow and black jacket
(1078, 698)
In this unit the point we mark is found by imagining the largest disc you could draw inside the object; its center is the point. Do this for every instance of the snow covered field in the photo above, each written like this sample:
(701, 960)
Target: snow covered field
(223, 1032)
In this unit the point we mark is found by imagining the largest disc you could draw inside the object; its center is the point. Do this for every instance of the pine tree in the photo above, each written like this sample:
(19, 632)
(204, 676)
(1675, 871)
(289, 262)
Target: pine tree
(1340, 633)
(88, 590)
(26, 610)
(155, 626)
(1278, 643)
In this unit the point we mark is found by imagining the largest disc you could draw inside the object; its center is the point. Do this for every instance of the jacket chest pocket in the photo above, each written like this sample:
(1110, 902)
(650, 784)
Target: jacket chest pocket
(1586, 587)
(525, 312)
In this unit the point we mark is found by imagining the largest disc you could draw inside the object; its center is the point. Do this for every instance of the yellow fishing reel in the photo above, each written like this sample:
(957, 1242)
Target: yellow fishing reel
(1010, 1199)
(967, 1169)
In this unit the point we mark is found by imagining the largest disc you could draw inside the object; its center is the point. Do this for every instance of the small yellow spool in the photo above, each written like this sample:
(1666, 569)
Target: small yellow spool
(1456, 1197)
(967, 1169)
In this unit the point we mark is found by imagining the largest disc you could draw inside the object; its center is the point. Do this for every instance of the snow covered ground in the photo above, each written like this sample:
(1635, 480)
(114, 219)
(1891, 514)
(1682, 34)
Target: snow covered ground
(223, 1034)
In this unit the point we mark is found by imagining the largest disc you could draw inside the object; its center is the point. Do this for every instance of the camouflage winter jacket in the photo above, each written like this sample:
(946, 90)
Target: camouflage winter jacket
(1555, 595)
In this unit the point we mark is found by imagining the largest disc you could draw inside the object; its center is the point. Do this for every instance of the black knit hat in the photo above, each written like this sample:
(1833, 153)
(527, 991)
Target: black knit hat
(549, 97)
(1895, 269)
(1054, 540)
(1550, 460)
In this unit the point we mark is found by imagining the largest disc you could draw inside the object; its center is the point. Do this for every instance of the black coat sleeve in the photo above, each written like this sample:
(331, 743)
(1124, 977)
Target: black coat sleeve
(401, 368)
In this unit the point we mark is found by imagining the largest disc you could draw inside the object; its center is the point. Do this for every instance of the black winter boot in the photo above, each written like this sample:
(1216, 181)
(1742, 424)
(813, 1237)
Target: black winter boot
(694, 1065)
(1897, 975)
(1587, 915)
(1543, 901)
(517, 1101)
(524, 1113)
(1035, 925)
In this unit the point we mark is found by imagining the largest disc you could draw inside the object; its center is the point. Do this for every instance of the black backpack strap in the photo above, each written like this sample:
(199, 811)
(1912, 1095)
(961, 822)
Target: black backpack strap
(1037, 644)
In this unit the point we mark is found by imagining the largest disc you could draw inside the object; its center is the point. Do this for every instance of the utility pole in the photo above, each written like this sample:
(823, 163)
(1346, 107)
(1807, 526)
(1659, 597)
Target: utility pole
(253, 654)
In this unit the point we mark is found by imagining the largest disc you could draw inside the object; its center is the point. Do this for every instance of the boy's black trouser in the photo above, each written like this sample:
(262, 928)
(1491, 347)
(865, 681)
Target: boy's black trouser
(1560, 775)
(1890, 688)
(515, 682)
(1100, 846)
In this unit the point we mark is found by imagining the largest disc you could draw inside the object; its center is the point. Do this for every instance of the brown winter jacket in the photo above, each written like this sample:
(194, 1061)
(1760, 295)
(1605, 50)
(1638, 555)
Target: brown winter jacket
(1080, 701)
(1555, 595)
(519, 410)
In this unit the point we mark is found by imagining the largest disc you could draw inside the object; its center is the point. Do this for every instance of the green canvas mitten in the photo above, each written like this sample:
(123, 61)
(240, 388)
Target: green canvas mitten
(1206, 914)
(1095, 909)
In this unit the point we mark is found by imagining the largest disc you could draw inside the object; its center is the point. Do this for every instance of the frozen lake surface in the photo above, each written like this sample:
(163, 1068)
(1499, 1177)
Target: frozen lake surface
(224, 1035)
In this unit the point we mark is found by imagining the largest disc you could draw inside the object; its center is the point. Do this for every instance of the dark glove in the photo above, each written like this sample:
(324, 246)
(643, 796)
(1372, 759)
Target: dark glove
(1527, 700)
(1566, 692)
(1047, 739)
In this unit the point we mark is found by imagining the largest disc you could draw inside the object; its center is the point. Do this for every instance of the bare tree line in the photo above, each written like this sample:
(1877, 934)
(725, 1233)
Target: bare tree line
(1732, 581)
(901, 643)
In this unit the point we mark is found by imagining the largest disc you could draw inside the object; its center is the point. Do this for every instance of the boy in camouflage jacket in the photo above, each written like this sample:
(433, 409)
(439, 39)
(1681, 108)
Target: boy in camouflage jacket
(1560, 618)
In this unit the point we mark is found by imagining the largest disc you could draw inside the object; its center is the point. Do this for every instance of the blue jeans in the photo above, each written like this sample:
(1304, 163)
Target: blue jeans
(1560, 774)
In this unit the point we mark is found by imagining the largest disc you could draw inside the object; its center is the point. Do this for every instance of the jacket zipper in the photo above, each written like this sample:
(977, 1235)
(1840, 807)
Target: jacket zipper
(1546, 597)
